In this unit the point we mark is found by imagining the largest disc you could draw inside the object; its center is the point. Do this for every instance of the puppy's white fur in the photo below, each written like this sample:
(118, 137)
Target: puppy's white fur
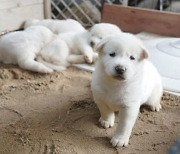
(126, 91)
(74, 47)
(67, 49)
(100, 31)
(54, 55)
(22, 47)
(80, 50)
(57, 26)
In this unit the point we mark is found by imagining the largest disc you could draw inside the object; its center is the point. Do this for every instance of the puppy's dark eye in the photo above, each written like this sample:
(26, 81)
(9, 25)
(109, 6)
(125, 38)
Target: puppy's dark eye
(113, 54)
(131, 58)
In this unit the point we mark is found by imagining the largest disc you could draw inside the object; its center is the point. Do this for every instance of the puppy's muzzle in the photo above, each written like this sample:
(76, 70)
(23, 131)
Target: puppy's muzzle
(120, 69)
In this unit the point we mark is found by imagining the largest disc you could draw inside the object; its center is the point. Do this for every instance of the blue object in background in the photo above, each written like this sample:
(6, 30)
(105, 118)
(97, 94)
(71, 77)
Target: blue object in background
(175, 149)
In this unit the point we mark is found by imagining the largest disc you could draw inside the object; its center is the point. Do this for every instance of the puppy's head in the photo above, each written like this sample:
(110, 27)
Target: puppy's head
(100, 31)
(121, 55)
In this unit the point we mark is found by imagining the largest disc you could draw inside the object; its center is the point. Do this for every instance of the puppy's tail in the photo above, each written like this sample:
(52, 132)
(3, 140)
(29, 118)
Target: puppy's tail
(52, 66)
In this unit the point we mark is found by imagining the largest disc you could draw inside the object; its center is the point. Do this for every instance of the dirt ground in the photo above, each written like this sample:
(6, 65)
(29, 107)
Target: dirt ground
(55, 113)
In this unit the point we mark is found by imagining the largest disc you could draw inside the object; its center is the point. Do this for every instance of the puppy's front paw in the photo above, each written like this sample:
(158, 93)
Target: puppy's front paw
(156, 107)
(88, 59)
(106, 123)
(47, 70)
(119, 142)
(44, 69)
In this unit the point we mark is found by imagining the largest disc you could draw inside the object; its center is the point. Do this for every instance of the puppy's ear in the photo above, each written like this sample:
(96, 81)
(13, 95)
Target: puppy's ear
(145, 53)
(100, 45)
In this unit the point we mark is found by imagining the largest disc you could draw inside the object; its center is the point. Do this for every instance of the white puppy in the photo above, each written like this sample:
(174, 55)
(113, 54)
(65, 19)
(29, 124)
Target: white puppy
(124, 80)
(82, 44)
(76, 47)
(22, 47)
(80, 50)
(67, 49)
(56, 26)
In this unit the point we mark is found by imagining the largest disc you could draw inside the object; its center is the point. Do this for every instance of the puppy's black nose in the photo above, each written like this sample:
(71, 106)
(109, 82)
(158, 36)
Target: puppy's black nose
(92, 44)
(120, 69)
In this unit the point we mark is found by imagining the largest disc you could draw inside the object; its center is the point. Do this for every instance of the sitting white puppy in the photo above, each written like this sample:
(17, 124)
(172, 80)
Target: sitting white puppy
(22, 47)
(56, 26)
(124, 80)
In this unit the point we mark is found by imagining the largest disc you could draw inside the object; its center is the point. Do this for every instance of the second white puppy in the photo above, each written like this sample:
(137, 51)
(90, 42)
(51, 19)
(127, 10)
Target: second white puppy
(22, 48)
(76, 47)
(56, 26)
(124, 80)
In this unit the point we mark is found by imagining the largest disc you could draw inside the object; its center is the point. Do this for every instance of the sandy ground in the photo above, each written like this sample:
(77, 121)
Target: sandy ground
(55, 113)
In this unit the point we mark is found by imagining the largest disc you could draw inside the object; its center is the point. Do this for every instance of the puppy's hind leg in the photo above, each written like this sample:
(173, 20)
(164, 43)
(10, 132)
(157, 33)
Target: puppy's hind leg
(52, 66)
(155, 99)
(32, 65)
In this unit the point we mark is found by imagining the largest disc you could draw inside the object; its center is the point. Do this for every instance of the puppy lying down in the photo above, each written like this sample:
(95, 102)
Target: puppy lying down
(56, 26)
(123, 80)
(38, 49)
(96, 34)
(76, 47)
(22, 47)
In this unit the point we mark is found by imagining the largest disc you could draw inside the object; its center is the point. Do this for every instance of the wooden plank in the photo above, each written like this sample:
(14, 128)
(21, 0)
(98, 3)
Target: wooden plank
(13, 19)
(136, 20)
(17, 3)
(47, 9)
